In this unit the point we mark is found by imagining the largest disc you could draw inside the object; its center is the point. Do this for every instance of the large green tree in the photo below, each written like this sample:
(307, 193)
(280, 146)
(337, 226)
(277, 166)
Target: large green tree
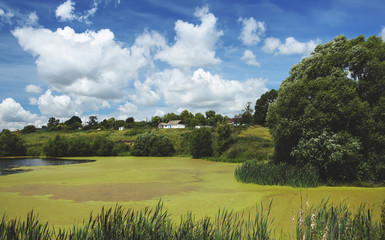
(335, 96)
(201, 143)
(262, 105)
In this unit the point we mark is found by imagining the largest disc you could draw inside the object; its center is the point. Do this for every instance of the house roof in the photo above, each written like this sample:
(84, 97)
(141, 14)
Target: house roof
(174, 122)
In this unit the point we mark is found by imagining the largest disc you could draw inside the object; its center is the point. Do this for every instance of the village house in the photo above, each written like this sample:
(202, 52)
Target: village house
(172, 124)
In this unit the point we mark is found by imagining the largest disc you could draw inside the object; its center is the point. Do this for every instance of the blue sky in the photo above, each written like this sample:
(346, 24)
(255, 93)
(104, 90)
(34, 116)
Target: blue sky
(141, 58)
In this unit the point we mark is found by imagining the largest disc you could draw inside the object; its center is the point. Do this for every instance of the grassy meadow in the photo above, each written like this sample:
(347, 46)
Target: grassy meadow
(65, 195)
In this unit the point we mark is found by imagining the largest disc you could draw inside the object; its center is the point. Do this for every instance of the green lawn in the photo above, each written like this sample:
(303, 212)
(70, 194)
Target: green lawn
(65, 195)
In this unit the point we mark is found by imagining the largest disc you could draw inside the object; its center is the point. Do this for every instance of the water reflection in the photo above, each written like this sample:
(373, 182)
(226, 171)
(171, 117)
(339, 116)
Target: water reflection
(8, 165)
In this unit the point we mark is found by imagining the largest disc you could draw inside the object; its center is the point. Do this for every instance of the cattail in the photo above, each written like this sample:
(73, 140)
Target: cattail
(312, 225)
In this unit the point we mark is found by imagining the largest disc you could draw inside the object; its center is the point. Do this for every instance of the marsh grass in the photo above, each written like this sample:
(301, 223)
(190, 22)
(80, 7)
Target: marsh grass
(150, 223)
(326, 221)
(276, 174)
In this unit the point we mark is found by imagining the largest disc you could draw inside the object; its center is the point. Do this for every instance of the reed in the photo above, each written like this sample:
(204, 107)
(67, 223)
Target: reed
(276, 174)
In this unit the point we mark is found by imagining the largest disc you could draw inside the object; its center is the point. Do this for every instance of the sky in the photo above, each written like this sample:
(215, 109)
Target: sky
(145, 58)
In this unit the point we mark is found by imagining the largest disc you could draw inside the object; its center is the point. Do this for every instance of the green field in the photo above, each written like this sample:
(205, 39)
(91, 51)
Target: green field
(65, 195)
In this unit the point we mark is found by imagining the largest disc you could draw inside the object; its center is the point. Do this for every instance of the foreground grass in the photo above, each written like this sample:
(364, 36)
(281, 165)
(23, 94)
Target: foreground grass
(321, 222)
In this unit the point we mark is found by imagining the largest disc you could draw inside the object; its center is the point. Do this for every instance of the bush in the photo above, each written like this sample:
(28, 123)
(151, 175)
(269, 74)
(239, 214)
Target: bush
(79, 146)
(11, 144)
(29, 129)
(277, 174)
(151, 144)
(201, 143)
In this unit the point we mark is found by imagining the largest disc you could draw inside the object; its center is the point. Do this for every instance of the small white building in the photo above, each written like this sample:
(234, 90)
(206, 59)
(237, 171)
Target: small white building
(172, 124)
(121, 128)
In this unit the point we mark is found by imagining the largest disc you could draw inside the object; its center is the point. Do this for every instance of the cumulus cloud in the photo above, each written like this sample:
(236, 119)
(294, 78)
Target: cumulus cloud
(13, 116)
(249, 58)
(382, 33)
(33, 88)
(252, 31)
(202, 90)
(291, 46)
(90, 64)
(127, 110)
(64, 11)
(58, 106)
(194, 44)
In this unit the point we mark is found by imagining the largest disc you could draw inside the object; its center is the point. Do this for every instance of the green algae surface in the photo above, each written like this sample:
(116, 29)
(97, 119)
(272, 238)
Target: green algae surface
(66, 195)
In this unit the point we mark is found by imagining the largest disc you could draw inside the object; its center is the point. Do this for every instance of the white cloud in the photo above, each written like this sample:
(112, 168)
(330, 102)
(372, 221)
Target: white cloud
(249, 58)
(291, 46)
(64, 12)
(252, 31)
(32, 19)
(201, 90)
(90, 64)
(13, 116)
(12, 17)
(382, 33)
(33, 88)
(58, 106)
(194, 44)
(271, 44)
(127, 110)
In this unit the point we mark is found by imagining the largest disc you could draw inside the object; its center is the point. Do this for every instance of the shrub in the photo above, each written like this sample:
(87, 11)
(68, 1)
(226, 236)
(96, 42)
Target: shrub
(11, 144)
(201, 143)
(151, 144)
(277, 174)
(56, 147)
(102, 146)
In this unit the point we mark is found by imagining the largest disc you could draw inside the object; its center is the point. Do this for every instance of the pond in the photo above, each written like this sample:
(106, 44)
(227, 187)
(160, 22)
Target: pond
(10, 165)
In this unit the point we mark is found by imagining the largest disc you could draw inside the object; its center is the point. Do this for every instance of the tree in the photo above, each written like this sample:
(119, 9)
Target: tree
(56, 147)
(186, 117)
(223, 138)
(11, 144)
(171, 116)
(198, 120)
(151, 144)
(155, 121)
(93, 121)
(130, 120)
(102, 146)
(201, 143)
(330, 95)
(52, 123)
(29, 129)
(262, 105)
(247, 114)
(74, 122)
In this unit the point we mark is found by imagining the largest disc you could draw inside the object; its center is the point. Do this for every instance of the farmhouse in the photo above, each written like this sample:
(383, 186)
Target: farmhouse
(172, 124)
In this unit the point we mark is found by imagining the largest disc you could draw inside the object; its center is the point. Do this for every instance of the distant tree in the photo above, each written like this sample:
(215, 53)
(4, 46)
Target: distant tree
(201, 143)
(171, 116)
(247, 114)
(223, 138)
(198, 120)
(11, 144)
(29, 129)
(93, 121)
(186, 117)
(130, 120)
(119, 123)
(155, 121)
(152, 144)
(102, 146)
(262, 105)
(74, 122)
(52, 123)
(56, 147)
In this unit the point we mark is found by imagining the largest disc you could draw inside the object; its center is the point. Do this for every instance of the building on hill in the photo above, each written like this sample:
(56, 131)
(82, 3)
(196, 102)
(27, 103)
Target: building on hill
(172, 124)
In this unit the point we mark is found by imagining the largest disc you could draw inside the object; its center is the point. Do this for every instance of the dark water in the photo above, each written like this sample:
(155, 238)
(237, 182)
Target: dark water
(7, 164)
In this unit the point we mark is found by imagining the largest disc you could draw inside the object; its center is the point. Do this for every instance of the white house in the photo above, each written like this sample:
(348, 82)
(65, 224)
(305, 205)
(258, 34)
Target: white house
(172, 124)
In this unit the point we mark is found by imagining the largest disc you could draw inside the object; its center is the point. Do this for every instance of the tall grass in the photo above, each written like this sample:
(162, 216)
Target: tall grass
(325, 221)
(155, 223)
(276, 174)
